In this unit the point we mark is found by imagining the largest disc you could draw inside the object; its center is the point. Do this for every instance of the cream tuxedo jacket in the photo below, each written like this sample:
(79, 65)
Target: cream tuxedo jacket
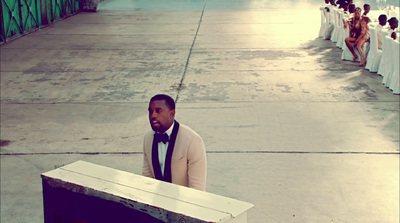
(188, 161)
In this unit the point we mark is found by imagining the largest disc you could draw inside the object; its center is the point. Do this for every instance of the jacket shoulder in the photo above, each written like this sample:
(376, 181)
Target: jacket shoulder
(148, 133)
(188, 132)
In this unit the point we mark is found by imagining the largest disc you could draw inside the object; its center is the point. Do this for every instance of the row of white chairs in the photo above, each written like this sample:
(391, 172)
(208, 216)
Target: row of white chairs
(384, 62)
(388, 59)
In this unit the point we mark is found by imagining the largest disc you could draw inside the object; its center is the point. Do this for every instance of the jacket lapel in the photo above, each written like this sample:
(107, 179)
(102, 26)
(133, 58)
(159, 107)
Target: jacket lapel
(154, 157)
(168, 158)
(156, 163)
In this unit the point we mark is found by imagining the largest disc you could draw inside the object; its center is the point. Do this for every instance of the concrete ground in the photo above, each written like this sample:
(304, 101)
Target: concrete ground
(287, 125)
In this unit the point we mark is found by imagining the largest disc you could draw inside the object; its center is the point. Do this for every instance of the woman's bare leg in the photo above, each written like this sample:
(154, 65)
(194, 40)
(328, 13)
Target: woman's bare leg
(348, 42)
(359, 46)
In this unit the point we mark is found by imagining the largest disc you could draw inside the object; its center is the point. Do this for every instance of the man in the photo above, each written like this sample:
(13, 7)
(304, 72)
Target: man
(378, 29)
(173, 152)
(393, 24)
(367, 8)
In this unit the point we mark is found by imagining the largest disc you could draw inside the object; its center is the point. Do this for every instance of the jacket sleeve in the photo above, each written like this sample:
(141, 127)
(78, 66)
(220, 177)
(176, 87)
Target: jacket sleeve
(146, 170)
(197, 164)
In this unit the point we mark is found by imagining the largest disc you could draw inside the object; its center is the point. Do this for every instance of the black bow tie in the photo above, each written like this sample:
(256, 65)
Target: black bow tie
(158, 137)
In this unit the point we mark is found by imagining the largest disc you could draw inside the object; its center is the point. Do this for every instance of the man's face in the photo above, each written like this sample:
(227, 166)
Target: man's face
(160, 116)
(367, 9)
(382, 21)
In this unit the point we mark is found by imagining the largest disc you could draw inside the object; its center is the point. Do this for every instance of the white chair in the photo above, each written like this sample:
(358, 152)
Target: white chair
(341, 31)
(386, 61)
(334, 37)
(347, 55)
(394, 83)
(322, 29)
(374, 54)
(346, 30)
(329, 23)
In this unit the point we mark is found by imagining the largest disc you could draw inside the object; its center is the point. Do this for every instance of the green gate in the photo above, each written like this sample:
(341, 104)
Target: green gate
(19, 17)
(63, 8)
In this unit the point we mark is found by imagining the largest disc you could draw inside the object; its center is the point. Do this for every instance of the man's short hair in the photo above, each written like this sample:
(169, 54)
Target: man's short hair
(391, 20)
(168, 100)
(382, 19)
(352, 8)
(366, 5)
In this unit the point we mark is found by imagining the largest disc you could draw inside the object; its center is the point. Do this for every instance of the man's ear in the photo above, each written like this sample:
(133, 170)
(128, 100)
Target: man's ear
(172, 112)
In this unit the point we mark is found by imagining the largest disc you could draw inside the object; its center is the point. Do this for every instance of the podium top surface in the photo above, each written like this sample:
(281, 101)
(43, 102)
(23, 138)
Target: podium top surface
(120, 186)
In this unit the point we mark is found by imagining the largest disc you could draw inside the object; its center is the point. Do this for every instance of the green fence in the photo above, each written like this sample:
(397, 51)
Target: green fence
(19, 17)
(63, 8)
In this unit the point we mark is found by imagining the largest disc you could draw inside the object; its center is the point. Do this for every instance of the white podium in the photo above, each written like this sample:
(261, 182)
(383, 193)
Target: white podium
(85, 192)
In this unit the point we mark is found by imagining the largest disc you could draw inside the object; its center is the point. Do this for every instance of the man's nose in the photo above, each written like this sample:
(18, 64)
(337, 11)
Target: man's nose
(153, 114)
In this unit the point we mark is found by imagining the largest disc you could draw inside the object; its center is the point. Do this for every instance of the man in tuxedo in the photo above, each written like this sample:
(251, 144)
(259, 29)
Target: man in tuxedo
(173, 152)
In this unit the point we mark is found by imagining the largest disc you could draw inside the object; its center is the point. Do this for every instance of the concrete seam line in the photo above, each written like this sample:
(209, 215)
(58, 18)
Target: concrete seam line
(190, 53)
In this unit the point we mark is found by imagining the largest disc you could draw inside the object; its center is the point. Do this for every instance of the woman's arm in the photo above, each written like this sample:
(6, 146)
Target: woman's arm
(364, 28)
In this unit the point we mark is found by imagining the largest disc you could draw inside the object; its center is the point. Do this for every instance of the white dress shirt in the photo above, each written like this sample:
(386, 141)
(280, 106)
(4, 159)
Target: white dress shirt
(378, 29)
(162, 149)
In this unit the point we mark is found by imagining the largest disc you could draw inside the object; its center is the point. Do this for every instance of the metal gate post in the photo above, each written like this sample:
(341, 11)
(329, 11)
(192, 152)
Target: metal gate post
(43, 12)
(21, 17)
(3, 37)
(38, 19)
(64, 8)
(51, 11)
